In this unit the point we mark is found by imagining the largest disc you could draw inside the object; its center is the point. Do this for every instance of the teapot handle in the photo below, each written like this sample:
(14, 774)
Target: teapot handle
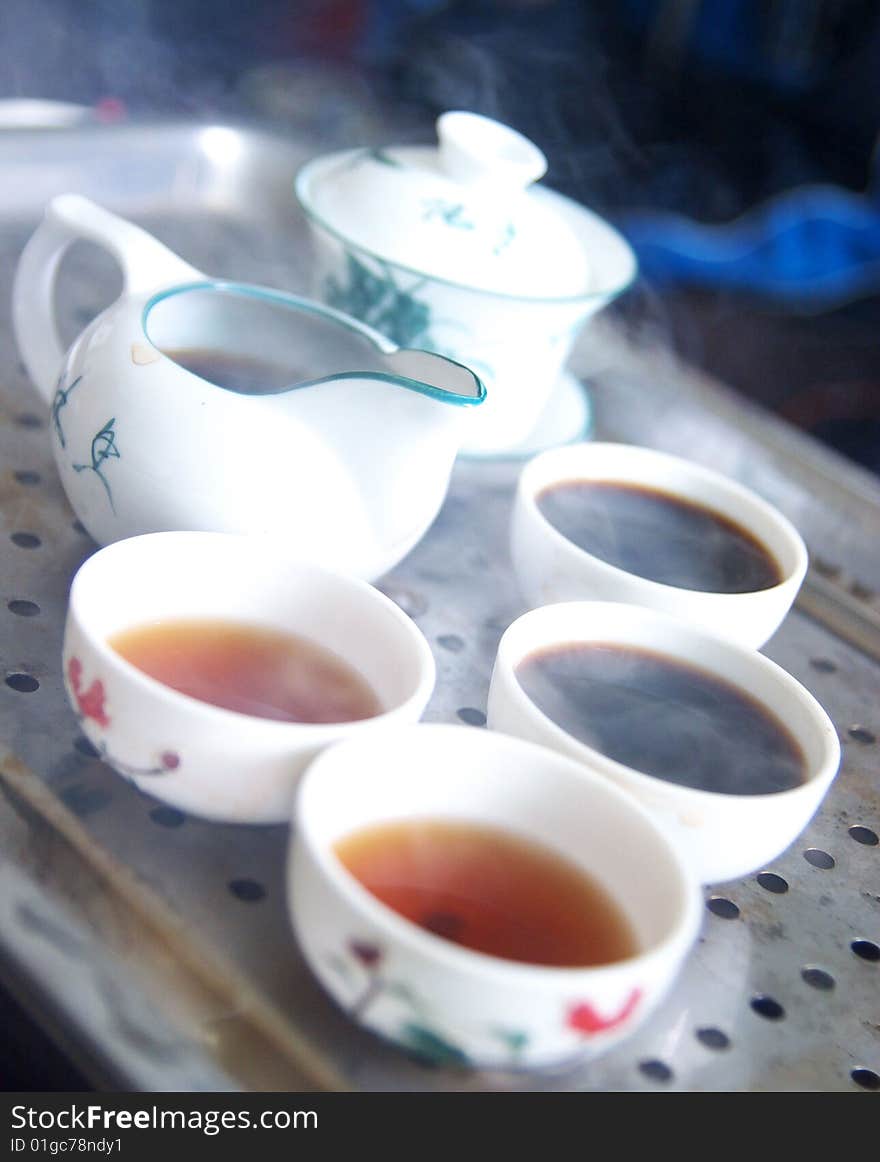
(146, 265)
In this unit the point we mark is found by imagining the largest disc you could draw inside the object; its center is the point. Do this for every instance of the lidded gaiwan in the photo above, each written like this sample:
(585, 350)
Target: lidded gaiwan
(458, 248)
(464, 211)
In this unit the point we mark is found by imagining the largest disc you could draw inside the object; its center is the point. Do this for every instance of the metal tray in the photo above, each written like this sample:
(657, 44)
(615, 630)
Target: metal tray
(156, 948)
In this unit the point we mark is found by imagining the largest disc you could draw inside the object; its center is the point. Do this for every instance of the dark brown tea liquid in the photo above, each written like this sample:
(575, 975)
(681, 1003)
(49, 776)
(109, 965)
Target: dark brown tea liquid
(245, 374)
(489, 891)
(663, 717)
(251, 669)
(658, 536)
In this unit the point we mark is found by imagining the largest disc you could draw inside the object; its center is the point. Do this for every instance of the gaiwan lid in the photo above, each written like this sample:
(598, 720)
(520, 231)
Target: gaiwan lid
(466, 211)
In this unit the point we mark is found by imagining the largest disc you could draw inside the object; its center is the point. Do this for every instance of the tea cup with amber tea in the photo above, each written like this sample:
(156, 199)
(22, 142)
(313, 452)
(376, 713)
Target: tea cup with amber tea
(730, 753)
(483, 901)
(619, 522)
(210, 668)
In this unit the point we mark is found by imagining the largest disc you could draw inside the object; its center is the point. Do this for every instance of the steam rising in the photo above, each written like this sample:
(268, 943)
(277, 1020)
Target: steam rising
(663, 717)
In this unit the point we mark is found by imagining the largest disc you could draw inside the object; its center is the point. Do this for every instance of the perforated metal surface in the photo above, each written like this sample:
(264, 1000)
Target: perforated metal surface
(782, 991)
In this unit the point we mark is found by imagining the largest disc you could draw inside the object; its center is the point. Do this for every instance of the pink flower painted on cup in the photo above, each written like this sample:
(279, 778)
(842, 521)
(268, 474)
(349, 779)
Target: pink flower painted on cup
(584, 1018)
(90, 701)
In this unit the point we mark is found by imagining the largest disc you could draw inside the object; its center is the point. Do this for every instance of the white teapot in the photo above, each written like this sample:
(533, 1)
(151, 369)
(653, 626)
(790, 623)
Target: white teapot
(196, 404)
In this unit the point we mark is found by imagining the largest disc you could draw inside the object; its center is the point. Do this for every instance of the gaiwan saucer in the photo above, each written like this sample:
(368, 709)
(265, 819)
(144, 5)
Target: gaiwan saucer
(566, 419)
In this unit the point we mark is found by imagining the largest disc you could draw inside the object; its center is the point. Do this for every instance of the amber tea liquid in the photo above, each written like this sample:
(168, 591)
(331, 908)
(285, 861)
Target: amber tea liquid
(490, 891)
(252, 669)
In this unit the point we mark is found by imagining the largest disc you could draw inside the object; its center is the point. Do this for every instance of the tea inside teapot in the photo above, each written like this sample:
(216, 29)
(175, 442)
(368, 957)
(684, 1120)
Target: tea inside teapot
(246, 374)
(239, 339)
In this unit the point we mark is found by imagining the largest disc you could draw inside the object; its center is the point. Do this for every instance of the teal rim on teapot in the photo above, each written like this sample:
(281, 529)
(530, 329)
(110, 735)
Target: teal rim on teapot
(473, 391)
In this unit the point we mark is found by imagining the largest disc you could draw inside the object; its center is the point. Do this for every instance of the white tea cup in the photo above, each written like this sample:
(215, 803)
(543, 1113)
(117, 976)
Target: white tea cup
(551, 568)
(214, 762)
(724, 836)
(440, 998)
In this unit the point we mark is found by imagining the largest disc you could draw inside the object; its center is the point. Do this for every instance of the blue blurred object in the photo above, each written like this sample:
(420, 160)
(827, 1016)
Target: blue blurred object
(812, 248)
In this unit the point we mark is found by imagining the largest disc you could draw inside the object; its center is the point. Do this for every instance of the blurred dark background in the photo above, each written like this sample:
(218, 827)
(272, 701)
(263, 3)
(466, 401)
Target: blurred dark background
(735, 141)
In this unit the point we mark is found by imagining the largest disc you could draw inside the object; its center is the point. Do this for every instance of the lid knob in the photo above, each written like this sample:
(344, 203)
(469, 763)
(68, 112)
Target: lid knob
(476, 150)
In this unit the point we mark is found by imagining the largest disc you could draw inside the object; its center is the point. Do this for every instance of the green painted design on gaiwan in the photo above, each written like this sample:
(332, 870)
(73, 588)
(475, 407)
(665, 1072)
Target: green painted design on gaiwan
(376, 300)
(452, 213)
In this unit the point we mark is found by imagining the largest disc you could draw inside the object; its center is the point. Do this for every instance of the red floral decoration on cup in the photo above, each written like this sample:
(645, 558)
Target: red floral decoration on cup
(90, 701)
(584, 1019)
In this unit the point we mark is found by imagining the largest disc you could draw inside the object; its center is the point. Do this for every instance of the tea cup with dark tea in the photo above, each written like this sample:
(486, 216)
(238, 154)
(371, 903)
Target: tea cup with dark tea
(210, 668)
(730, 753)
(479, 900)
(618, 522)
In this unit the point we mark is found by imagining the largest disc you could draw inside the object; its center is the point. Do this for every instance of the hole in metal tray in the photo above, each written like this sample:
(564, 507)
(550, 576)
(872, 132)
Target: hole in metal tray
(722, 907)
(656, 1070)
(866, 1078)
(866, 950)
(167, 816)
(862, 734)
(817, 978)
(826, 568)
(82, 746)
(771, 882)
(864, 835)
(249, 891)
(861, 591)
(713, 1038)
(823, 665)
(767, 1007)
(23, 608)
(471, 716)
(818, 858)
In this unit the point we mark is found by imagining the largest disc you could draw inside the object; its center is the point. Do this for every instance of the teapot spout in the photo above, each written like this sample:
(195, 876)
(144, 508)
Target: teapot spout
(437, 376)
